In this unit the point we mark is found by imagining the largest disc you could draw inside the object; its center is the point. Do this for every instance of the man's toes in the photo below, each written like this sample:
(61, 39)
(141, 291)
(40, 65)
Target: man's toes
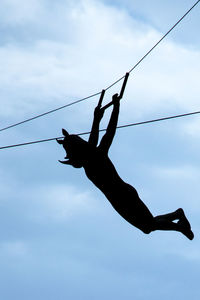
(189, 234)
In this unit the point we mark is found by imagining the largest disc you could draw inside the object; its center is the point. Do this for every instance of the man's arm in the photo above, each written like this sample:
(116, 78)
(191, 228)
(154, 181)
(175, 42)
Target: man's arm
(111, 129)
(94, 135)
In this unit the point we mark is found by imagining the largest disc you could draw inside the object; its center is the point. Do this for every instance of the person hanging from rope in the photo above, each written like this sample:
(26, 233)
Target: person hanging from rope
(101, 171)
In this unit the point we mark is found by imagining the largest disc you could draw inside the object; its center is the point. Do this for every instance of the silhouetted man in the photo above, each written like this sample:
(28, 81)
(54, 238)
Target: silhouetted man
(100, 170)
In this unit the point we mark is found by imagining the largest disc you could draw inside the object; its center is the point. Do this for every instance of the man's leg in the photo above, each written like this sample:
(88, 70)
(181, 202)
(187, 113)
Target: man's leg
(165, 222)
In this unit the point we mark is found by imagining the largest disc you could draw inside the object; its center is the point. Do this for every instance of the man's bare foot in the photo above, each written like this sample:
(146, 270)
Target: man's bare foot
(182, 219)
(184, 224)
(188, 233)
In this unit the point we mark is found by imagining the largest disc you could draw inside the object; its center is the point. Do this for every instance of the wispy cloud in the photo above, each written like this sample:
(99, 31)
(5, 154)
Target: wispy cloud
(98, 45)
(52, 53)
(187, 172)
(60, 203)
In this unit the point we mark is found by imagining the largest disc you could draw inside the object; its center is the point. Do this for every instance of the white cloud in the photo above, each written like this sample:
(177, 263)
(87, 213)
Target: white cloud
(61, 202)
(181, 184)
(18, 12)
(43, 202)
(74, 50)
(105, 42)
(192, 128)
(54, 203)
(186, 172)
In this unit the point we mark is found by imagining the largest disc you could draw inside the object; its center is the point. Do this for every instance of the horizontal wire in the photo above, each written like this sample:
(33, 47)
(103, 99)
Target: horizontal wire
(101, 130)
(98, 93)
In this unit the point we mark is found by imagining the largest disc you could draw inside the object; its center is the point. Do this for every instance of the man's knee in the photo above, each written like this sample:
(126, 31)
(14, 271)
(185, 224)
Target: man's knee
(148, 228)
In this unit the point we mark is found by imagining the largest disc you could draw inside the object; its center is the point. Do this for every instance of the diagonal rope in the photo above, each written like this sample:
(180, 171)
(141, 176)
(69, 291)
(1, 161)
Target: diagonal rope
(164, 36)
(101, 130)
(49, 112)
(114, 83)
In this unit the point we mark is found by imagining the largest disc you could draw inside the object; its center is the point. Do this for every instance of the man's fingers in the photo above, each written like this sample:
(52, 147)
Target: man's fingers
(116, 98)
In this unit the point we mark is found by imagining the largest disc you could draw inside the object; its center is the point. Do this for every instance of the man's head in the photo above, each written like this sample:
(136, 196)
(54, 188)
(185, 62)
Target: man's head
(76, 149)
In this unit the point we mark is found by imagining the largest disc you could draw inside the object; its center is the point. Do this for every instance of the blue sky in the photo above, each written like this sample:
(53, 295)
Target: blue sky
(59, 236)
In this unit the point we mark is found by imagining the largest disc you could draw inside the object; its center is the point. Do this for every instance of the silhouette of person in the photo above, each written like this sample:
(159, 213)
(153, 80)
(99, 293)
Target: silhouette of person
(101, 171)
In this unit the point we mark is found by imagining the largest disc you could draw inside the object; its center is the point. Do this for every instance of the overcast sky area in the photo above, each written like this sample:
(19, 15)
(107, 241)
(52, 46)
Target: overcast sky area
(59, 236)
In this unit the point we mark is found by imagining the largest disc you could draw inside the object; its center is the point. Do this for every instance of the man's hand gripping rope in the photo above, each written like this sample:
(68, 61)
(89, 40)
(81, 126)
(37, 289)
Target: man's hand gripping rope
(99, 111)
